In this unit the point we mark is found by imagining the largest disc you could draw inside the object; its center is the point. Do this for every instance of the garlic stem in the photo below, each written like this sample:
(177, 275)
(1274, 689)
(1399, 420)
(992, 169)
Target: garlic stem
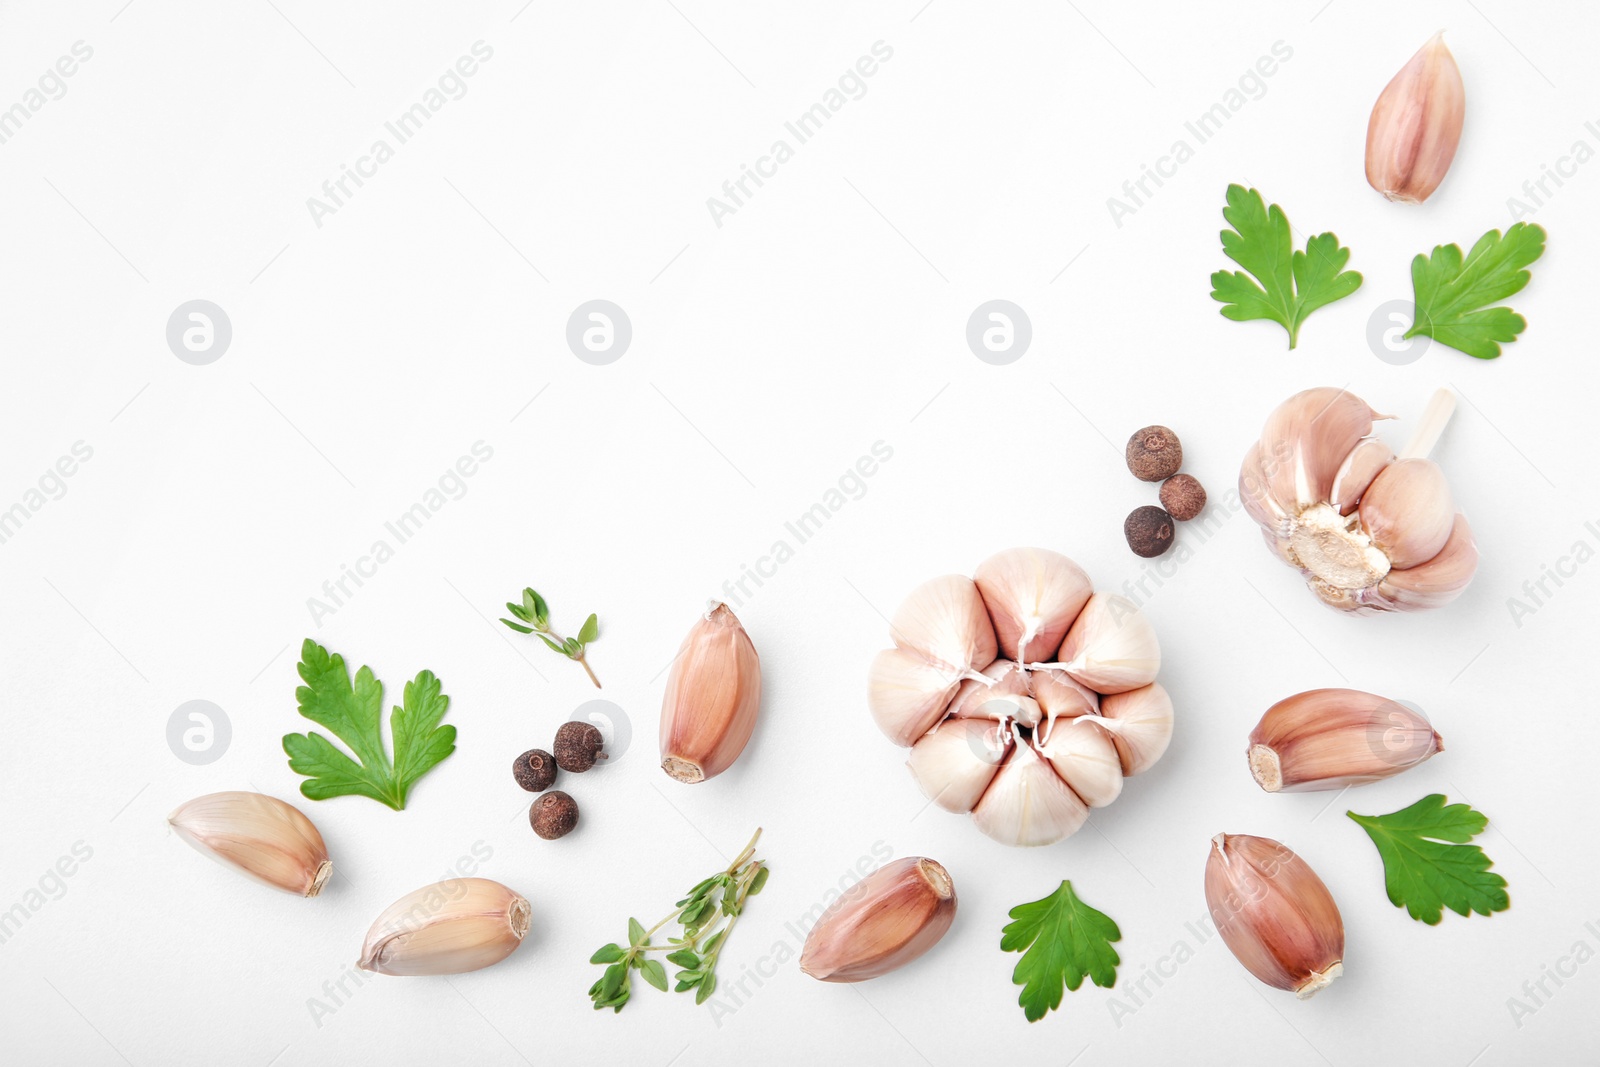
(1434, 419)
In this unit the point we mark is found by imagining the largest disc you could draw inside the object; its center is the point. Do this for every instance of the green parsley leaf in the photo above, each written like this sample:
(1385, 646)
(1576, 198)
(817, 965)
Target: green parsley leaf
(353, 714)
(1453, 294)
(1062, 940)
(1292, 284)
(1422, 872)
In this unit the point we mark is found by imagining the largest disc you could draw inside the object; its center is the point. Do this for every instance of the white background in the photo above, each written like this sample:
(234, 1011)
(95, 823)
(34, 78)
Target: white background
(827, 314)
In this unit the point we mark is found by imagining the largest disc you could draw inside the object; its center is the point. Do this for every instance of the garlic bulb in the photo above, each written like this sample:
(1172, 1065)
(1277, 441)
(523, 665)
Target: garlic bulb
(1274, 913)
(455, 926)
(883, 922)
(1331, 738)
(1026, 746)
(713, 694)
(1416, 125)
(1370, 531)
(260, 836)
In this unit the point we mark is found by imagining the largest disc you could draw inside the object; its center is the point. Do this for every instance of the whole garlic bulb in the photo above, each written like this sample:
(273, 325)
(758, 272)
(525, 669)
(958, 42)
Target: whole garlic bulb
(1370, 530)
(1024, 696)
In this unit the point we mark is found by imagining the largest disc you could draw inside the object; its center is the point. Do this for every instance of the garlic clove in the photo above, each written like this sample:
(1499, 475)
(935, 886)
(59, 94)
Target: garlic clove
(713, 694)
(1255, 492)
(945, 621)
(1408, 511)
(1274, 913)
(264, 838)
(455, 926)
(1060, 696)
(1008, 695)
(907, 695)
(1332, 738)
(1362, 465)
(1086, 759)
(1438, 581)
(1111, 647)
(1416, 125)
(1032, 594)
(956, 760)
(1140, 724)
(1314, 430)
(1027, 803)
(883, 922)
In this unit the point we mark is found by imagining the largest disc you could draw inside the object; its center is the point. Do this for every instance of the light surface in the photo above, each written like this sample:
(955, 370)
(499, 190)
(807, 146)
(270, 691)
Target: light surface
(768, 355)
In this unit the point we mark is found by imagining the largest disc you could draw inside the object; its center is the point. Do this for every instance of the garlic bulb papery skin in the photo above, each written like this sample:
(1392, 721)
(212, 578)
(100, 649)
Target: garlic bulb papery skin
(1362, 524)
(1415, 126)
(713, 695)
(455, 926)
(1032, 594)
(262, 837)
(1274, 913)
(1027, 747)
(882, 923)
(1332, 738)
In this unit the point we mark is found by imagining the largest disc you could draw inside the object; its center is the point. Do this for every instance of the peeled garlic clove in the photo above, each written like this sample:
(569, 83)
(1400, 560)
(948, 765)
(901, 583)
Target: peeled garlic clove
(1085, 758)
(1416, 125)
(1332, 738)
(1309, 435)
(1032, 594)
(1062, 697)
(261, 836)
(1438, 581)
(1408, 511)
(713, 694)
(1274, 913)
(883, 922)
(945, 620)
(1028, 803)
(1362, 465)
(907, 695)
(1007, 696)
(955, 762)
(1140, 724)
(1111, 647)
(455, 926)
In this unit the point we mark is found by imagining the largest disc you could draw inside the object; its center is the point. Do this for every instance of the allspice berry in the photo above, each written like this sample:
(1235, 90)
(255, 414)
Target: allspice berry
(577, 746)
(1183, 496)
(553, 815)
(535, 769)
(1148, 530)
(1154, 454)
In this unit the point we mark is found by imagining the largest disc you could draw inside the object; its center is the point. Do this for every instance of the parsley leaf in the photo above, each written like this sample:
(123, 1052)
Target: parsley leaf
(1453, 294)
(1424, 874)
(1062, 940)
(353, 713)
(1292, 284)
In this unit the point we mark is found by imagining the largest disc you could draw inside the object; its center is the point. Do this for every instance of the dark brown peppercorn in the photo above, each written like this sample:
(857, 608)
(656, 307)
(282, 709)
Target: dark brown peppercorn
(577, 746)
(535, 770)
(553, 815)
(1154, 454)
(1183, 496)
(1148, 530)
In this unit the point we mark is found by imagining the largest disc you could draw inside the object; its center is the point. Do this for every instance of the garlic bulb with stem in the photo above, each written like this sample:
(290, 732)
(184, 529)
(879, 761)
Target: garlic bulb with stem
(1332, 738)
(262, 837)
(1370, 530)
(882, 923)
(1415, 126)
(713, 694)
(1274, 913)
(452, 927)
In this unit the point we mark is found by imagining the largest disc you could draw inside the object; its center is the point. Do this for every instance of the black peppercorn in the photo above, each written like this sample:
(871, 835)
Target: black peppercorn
(553, 815)
(1183, 496)
(1148, 530)
(577, 746)
(535, 769)
(1154, 453)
